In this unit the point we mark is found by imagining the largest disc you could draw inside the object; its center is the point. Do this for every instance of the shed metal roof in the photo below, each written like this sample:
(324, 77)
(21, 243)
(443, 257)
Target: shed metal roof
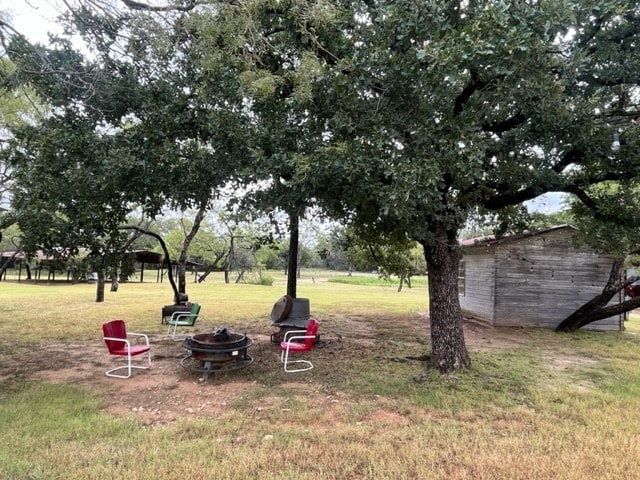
(491, 240)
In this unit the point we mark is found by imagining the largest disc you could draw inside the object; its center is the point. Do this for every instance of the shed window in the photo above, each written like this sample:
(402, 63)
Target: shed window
(461, 278)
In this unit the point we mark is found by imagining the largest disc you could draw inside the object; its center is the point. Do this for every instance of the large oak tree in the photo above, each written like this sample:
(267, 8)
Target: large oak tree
(446, 107)
(165, 127)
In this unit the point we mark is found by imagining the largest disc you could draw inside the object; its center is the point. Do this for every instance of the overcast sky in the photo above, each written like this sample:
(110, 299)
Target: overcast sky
(33, 18)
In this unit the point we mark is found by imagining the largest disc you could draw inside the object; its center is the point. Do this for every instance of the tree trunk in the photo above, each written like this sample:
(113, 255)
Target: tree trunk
(596, 308)
(230, 260)
(182, 260)
(100, 286)
(213, 266)
(5, 264)
(448, 349)
(292, 267)
(206, 273)
(181, 276)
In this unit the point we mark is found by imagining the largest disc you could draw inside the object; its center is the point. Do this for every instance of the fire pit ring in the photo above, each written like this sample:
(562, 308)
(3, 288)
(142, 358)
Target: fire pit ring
(209, 353)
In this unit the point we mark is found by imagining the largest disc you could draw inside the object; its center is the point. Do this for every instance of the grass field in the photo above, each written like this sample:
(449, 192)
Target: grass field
(534, 405)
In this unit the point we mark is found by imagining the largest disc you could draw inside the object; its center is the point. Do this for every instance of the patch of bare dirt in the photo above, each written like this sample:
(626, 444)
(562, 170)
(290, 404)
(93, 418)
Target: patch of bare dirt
(168, 391)
(384, 417)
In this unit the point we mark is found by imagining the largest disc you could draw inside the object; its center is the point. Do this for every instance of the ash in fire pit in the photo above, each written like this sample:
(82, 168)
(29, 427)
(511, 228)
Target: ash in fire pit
(221, 351)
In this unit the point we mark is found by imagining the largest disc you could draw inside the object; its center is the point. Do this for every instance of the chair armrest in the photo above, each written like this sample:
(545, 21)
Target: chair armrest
(176, 315)
(118, 339)
(183, 319)
(299, 337)
(139, 335)
(292, 332)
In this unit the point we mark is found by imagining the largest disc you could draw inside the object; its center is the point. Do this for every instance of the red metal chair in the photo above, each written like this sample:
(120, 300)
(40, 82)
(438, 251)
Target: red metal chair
(115, 336)
(290, 344)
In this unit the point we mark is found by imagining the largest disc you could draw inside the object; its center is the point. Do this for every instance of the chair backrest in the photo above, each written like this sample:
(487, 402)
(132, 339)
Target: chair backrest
(195, 310)
(312, 329)
(116, 329)
(189, 319)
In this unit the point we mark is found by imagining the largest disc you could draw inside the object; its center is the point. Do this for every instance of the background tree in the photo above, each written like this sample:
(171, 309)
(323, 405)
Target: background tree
(19, 105)
(284, 50)
(210, 250)
(61, 163)
(176, 127)
(72, 187)
(191, 116)
(399, 257)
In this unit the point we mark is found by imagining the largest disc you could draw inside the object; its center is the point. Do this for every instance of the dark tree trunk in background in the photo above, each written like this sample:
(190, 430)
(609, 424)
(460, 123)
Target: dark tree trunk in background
(292, 267)
(181, 276)
(213, 266)
(448, 350)
(596, 308)
(100, 286)
(206, 273)
(182, 260)
(227, 265)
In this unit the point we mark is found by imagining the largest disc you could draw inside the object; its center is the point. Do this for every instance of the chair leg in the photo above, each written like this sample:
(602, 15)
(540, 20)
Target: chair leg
(173, 334)
(284, 358)
(129, 367)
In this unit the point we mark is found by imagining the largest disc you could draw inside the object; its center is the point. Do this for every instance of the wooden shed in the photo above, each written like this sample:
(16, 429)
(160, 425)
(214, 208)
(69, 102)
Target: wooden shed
(532, 279)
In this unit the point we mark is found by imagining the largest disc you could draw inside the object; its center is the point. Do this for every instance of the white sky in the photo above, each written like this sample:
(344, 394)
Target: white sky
(33, 18)
(547, 203)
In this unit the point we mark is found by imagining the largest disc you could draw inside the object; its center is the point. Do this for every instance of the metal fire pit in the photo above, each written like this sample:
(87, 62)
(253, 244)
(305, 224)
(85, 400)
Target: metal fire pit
(212, 352)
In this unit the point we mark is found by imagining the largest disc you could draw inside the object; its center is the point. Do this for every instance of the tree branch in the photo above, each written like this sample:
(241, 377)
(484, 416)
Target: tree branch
(474, 85)
(499, 200)
(505, 125)
(586, 200)
(167, 258)
(570, 157)
(186, 7)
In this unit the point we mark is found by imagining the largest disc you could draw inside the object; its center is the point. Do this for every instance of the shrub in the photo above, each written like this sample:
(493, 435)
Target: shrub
(260, 279)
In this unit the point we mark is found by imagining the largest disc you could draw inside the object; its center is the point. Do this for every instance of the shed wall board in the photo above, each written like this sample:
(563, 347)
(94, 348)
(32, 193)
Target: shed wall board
(479, 288)
(538, 281)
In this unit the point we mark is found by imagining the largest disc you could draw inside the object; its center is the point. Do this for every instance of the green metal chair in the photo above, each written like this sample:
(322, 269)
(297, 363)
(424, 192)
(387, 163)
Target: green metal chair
(183, 319)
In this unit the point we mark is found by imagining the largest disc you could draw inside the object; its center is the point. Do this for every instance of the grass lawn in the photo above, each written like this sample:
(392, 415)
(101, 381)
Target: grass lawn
(534, 404)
